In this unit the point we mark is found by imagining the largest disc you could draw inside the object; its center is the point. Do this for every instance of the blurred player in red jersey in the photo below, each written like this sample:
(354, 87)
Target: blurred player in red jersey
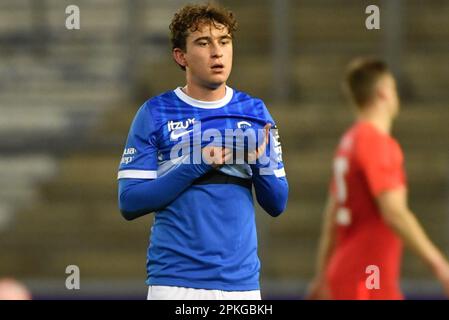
(367, 217)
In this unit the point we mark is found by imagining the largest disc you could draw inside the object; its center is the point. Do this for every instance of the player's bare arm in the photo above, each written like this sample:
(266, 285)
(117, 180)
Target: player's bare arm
(318, 288)
(399, 217)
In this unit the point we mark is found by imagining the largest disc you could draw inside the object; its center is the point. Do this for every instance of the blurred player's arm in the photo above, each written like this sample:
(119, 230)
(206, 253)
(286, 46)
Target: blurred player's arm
(138, 197)
(319, 288)
(396, 213)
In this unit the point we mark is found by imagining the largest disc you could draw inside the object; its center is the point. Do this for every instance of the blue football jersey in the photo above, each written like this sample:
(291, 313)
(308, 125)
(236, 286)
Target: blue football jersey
(206, 238)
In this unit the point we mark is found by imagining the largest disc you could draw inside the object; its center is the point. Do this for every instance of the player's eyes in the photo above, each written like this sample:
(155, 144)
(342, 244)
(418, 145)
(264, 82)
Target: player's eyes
(202, 43)
(224, 42)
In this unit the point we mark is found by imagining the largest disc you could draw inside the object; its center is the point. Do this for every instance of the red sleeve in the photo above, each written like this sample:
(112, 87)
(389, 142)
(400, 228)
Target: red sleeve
(381, 161)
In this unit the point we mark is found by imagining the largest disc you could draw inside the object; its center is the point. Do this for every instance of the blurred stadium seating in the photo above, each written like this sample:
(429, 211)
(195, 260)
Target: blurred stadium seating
(67, 99)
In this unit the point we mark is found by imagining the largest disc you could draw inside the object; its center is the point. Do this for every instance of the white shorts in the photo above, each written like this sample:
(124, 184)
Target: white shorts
(181, 293)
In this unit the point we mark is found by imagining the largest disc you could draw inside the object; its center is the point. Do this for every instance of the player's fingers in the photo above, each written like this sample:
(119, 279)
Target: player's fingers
(228, 159)
(266, 128)
(227, 156)
(267, 131)
(227, 151)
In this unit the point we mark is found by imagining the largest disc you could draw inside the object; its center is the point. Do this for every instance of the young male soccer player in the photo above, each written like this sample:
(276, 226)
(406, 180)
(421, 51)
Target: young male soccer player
(367, 217)
(203, 242)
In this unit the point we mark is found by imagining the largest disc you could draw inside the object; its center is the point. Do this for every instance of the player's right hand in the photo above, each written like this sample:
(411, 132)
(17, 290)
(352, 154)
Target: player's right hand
(443, 276)
(217, 156)
(318, 290)
(251, 157)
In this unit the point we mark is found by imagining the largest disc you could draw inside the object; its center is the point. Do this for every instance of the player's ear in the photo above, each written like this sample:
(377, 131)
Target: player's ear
(381, 90)
(179, 57)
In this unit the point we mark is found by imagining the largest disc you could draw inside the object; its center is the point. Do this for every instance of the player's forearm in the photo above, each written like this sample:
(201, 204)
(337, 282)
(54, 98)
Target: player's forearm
(271, 192)
(406, 225)
(139, 197)
(327, 240)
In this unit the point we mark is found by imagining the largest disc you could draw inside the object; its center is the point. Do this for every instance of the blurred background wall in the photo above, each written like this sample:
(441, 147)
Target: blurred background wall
(67, 98)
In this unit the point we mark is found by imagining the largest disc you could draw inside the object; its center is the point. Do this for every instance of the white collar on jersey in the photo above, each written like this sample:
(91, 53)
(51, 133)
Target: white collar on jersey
(205, 104)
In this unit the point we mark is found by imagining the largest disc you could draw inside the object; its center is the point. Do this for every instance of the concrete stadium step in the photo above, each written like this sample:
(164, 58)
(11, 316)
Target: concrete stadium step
(50, 86)
(88, 190)
(317, 23)
(22, 120)
(19, 177)
(427, 73)
(58, 68)
(254, 26)
(19, 191)
(301, 260)
(252, 75)
(426, 21)
(63, 50)
(51, 96)
(92, 264)
(68, 100)
(33, 167)
(98, 169)
(99, 16)
(77, 224)
(115, 264)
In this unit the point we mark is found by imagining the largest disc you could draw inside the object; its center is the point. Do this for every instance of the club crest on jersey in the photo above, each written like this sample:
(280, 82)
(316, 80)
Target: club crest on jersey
(243, 124)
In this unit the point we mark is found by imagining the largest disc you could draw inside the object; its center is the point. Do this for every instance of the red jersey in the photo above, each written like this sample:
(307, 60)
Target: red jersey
(367, 162)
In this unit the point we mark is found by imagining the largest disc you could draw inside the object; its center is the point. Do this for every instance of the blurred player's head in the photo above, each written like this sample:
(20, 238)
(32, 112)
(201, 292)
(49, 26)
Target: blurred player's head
(11, 289)
(371, 85)
(201, 37)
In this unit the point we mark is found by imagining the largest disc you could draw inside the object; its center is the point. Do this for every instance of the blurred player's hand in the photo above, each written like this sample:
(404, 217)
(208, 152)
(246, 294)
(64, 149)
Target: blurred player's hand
(318, 290)
(256, 154)
(216, 156)
(443, 276)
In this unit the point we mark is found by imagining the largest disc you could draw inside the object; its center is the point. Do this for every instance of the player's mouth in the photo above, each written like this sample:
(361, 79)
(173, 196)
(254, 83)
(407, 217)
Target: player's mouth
(218, 67)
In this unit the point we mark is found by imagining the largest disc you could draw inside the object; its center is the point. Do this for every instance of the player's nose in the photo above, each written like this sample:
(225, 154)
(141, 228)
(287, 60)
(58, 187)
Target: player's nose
(216, 51)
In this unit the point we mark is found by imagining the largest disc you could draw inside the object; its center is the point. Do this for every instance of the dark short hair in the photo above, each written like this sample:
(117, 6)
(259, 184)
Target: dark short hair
(191, 17)
(361, 78)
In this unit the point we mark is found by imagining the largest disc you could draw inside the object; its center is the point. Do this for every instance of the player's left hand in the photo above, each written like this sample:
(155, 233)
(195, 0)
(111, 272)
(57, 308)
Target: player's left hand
(216, 156)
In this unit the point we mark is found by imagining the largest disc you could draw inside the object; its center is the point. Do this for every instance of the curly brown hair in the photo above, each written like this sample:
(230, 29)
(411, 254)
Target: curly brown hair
(191, 17)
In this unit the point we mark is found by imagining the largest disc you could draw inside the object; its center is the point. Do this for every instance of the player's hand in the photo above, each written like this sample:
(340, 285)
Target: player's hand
(256, 154)
(216, 156)
(443, 276)
(318, 290)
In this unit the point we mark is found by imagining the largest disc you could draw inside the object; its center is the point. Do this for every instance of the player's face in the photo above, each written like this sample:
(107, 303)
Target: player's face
(395, 103)
(390, 94)
(208, 55)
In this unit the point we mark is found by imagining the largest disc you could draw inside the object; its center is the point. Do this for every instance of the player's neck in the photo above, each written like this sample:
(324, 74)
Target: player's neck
(378, 114)
(380, 121)
(203, 93)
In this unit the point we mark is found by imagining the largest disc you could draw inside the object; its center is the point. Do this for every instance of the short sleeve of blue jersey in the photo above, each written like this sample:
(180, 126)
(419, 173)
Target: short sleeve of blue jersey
(139, 160)
(272, 163)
